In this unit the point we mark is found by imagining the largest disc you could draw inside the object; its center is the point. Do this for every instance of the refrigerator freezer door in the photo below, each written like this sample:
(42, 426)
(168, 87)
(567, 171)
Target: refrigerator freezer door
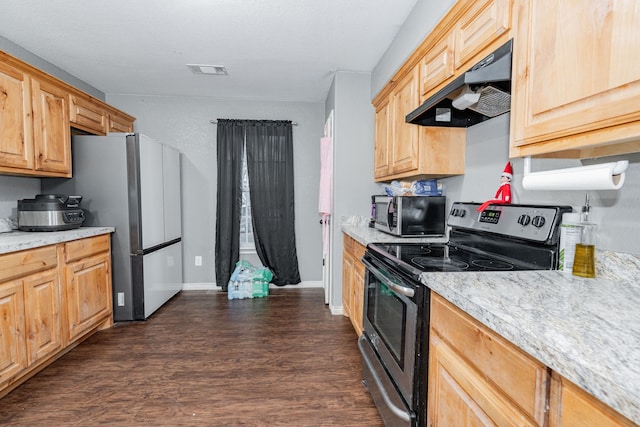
(172, 202)
(162, 278)
(151, 193)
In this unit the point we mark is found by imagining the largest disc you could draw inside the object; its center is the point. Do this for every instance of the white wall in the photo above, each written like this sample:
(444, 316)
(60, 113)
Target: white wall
(353, 184)
(184, 122)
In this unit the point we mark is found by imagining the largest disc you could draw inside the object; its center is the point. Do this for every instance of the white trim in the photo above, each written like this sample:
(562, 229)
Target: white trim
(208, 286)
(336, 310)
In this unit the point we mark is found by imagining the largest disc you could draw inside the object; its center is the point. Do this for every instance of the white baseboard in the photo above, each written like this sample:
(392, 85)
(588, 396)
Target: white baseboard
(213, 287)
(336, 310)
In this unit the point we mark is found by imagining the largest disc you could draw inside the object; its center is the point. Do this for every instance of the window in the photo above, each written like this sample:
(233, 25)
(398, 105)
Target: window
(247, 244)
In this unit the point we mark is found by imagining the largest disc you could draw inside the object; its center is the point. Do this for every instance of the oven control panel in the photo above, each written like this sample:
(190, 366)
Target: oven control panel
(531, 222)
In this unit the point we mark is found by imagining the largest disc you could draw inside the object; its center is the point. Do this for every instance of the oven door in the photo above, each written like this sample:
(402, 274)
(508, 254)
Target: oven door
(391, 321)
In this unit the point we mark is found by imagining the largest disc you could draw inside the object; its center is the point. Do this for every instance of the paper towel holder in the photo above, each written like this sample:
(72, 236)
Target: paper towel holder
(604, 176)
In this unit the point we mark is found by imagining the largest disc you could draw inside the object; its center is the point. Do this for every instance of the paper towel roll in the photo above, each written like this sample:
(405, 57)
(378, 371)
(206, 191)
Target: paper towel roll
(605, 176)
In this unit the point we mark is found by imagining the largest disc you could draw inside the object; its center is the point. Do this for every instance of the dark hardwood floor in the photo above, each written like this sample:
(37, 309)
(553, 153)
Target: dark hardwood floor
(203, 360)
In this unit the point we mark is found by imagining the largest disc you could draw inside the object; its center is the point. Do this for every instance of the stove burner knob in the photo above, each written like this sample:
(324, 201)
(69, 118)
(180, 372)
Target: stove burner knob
(524, 220)
(454, 212)
(538, 221)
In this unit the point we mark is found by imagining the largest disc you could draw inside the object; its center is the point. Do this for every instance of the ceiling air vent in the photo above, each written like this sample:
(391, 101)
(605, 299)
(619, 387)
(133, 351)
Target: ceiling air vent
(215, 70)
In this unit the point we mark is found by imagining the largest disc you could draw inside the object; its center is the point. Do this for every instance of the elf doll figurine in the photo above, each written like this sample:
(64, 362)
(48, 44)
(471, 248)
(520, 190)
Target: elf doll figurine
(503, 195)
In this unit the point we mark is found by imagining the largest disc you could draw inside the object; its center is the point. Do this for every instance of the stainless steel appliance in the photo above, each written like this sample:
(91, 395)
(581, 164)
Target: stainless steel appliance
(50, 212)
(483, 92)
(410, 215)
(394, 344)
(132, 182)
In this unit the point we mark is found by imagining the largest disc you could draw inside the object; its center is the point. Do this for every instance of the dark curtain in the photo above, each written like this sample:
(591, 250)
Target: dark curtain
(230, 139)
(269, 147)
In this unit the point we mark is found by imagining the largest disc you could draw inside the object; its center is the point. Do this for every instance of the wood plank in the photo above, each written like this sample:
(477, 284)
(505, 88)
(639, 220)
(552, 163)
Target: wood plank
(205, 360)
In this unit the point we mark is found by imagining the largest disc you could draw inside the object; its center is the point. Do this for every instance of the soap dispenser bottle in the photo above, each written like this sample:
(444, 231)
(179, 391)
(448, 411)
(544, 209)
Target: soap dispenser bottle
(584, 263)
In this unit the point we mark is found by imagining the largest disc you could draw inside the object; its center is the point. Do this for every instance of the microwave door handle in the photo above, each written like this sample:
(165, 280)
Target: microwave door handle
(396, 287)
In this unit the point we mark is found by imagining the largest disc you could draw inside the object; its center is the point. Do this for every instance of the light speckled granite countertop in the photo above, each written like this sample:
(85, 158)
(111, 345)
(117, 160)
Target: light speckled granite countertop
(21, 240)
(587, 330)
(358, 228)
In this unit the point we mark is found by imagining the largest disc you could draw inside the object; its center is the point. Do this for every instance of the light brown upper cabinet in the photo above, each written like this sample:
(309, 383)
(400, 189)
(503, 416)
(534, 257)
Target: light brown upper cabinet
(406, 151)
(482, 27)
(16, 122)
(34, 125)
(51, 132)
(37, 112)
(576, 82)
(382, 137)
(88, 115)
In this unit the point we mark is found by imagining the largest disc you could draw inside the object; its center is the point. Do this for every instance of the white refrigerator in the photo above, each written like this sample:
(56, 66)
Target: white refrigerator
(132, 182)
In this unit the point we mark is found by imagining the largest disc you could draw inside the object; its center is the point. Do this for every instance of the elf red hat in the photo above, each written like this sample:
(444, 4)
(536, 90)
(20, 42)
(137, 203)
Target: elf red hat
(508, 171)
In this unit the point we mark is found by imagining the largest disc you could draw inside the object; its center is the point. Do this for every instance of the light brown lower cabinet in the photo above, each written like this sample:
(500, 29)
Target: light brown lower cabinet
(570, 406)
(353, 282)
(477, 378)
(51, 298)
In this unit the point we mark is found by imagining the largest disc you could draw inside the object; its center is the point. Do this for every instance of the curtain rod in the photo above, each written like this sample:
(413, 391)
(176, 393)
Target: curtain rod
(213, 122)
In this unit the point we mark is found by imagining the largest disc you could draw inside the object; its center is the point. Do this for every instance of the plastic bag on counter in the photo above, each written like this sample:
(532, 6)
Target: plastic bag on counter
(396, 188)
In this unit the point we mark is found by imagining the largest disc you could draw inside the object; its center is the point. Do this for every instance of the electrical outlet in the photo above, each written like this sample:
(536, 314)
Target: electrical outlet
(198, 261)
(120, 299)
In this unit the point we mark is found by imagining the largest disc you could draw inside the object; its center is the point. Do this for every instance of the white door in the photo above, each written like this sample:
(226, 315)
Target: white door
(172, 202)
(327, 229)
(151, 192)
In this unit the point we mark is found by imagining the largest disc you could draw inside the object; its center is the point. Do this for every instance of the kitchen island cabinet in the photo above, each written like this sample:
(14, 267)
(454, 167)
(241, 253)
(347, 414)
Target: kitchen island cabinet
(575, 86)
(52, 296)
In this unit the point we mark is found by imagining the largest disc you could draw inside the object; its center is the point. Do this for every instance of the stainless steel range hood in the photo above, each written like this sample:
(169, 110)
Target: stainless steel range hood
(483, 92)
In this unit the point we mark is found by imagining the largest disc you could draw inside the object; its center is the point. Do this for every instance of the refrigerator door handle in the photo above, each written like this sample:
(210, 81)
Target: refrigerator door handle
(157, 247)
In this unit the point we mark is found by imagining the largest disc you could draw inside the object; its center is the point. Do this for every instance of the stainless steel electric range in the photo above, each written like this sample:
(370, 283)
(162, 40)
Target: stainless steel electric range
(394, 344)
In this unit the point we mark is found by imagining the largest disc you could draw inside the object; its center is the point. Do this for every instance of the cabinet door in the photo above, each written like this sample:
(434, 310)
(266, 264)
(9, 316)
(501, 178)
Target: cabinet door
(52, 135)
(347, 283)
(570, 406)
(437, 65)
(16, 126)
(574, 76)
(357, 305)
(405, 136)
(88, 289)
(13, 350)
(119, 123)
(460, 396)
(381, 142)
(479, 27)
(86, 115)
(42, 302)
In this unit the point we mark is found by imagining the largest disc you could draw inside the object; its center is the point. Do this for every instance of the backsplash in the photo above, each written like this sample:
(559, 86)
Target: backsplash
(12, 189)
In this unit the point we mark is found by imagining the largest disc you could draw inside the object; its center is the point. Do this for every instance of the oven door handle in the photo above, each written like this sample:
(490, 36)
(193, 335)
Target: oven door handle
(390, 282)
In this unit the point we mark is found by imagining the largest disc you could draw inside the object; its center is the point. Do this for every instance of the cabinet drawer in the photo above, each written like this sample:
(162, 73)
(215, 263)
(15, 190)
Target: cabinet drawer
(26, 262)
(78, 249)
(516, 374)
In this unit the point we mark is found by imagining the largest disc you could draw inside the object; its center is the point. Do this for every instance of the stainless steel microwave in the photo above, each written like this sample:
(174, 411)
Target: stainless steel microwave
(410, 215)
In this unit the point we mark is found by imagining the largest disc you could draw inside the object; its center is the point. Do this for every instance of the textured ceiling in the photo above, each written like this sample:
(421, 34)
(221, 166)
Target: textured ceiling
(273, 50)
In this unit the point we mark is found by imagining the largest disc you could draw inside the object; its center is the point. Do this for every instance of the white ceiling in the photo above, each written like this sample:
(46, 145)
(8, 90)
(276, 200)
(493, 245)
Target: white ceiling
(274, 50)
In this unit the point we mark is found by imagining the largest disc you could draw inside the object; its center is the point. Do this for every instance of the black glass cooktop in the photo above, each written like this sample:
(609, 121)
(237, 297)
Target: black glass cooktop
(441, 257)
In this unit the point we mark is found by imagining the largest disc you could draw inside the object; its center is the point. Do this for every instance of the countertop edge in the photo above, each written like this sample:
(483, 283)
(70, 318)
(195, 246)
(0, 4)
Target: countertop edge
(22, 240)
